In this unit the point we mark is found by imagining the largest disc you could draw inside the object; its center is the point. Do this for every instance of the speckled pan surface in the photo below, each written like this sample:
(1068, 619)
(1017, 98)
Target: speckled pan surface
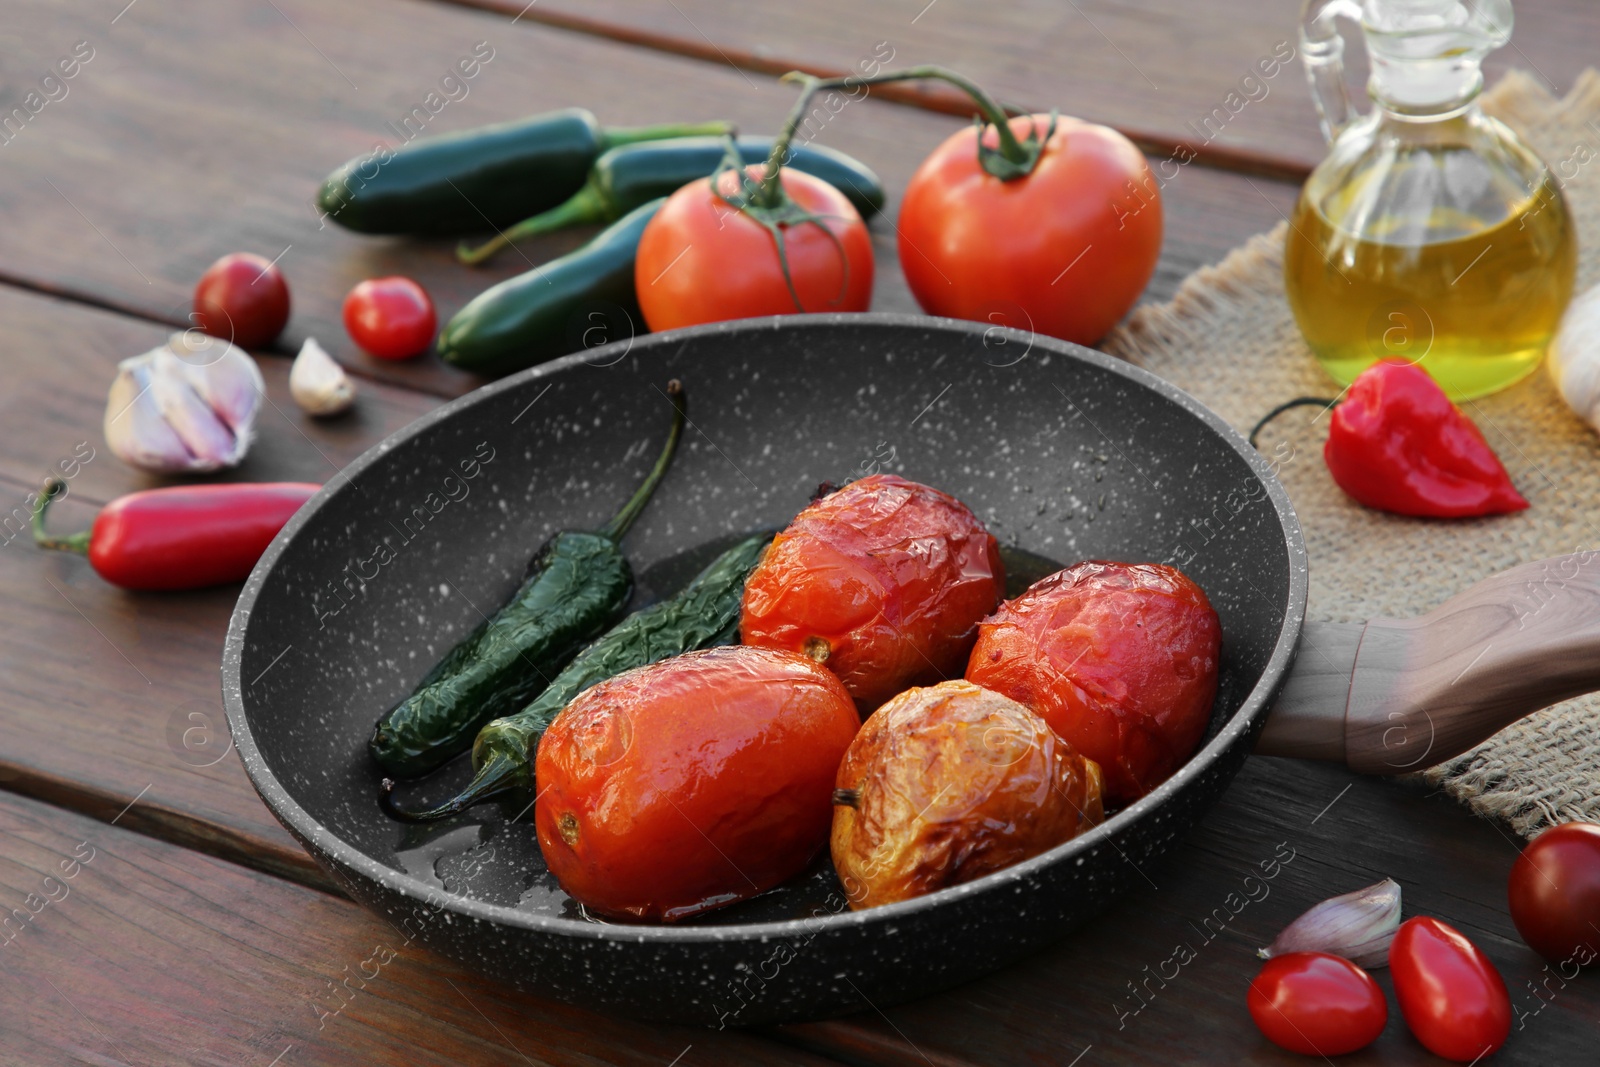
(1065, 453)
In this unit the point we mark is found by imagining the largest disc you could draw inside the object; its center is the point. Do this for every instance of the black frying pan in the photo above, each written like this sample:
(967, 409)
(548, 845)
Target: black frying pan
(1064, 452)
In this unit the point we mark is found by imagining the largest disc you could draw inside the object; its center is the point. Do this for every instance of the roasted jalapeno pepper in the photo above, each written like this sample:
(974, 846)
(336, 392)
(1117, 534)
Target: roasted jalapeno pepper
(633, 175)
(704, 614)
(479, 179)
(577, 585)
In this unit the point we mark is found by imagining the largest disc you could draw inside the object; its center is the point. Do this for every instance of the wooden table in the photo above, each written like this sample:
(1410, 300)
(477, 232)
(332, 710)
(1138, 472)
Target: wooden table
(194, 931)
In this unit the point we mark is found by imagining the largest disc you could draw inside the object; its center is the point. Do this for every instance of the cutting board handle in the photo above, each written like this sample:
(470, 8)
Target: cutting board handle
(1397, 695)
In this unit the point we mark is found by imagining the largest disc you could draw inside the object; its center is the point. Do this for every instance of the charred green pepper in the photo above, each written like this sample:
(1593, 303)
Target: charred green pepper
(582, 299)
(633, 175)
(576, 587)
(479, 179)
(704, 614)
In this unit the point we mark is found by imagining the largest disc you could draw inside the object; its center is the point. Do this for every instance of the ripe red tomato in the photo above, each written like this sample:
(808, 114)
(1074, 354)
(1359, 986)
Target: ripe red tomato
(391, 318)
(242, 298)
(691, 783)
(1449, 992)
(702, 261)
(1555, 894)
(884, 581)
(1071, 245)
(1317, 1004)
(1119, 658)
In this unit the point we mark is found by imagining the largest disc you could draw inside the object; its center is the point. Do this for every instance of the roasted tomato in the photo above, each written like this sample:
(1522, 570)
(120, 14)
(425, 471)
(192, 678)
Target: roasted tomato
(884, 580)
(691, 783)
(945, 784)
(1119, 658)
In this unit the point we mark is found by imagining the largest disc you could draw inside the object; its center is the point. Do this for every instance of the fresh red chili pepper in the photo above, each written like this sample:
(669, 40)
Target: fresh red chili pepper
(1398, 444)
(184, 537)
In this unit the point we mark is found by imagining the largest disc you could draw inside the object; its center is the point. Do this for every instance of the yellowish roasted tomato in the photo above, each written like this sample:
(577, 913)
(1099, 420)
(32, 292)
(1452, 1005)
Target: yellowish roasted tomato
(948, 783)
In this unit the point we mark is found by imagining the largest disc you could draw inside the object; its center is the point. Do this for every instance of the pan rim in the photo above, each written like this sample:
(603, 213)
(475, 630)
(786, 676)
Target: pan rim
(1252, 709)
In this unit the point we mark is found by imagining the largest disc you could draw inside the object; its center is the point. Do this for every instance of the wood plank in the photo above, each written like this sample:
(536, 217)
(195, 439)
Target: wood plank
(1083, 997)
(1154, 69)
(139, 952)
(223, 151)
(104, 684)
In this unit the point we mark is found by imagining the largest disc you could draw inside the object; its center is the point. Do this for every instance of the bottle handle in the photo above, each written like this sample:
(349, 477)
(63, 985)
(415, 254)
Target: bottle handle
(1322, 49)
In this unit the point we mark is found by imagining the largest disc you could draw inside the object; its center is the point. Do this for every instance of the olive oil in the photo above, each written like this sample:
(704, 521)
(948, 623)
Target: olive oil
(1474, 300)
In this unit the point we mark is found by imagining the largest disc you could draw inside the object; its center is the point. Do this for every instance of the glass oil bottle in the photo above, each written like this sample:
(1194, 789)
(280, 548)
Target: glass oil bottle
(1431, 232)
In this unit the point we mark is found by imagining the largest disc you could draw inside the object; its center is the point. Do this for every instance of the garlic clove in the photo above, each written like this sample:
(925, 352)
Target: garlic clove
(318, 384)
(203, 433)
(135, 430)
(1358, 926)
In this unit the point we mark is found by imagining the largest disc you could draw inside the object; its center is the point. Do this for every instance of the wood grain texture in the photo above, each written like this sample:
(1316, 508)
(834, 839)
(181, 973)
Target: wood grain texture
(122, 192)
(1121, 993)
(1429, 688)
(131, 951)
(1153, 69)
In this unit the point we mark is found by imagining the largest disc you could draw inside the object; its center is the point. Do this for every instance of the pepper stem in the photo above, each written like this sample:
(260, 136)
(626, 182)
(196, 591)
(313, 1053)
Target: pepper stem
(617, 528)
(495, 778)
(1297, 402)
(612, 136)
(78, 542)
(587, 205)
(1020, 157)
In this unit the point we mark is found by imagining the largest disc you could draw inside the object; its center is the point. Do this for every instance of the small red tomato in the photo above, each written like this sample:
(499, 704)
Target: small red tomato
(1555, 894)
(884, 581)
(691, 783)
(700, 260)
(1449, 992)
(1119, 658)
(1317, 1004)
(1064, 250)
(242, 298)
(391, 318)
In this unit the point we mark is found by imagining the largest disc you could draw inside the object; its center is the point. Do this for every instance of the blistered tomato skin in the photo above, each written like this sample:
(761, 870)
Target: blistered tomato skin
(1451, 995)
(948, 783)
(691, 783)
(1119, 658)
(1317, 1004)
(884, 580)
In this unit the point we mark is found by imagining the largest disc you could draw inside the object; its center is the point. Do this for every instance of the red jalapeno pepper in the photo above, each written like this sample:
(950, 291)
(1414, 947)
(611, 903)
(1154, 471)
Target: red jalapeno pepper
(183, 537)
(1396, 443)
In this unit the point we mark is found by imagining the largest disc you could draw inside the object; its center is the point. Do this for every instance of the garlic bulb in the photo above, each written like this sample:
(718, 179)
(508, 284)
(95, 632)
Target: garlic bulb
(189, 405)
(1358, 926)
(1574, 356)
(318, 384)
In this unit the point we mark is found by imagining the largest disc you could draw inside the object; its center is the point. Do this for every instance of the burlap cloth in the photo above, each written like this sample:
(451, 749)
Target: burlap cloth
(1228, 338)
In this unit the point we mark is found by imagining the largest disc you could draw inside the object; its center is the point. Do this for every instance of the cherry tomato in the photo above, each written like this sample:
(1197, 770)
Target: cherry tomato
(391, 318)
(884, 580)
(1449, 992)
(242, 298)
(1317, 1004)
(1120, 659)
(691, 783)
(1065, 250)
(702, 261)
(948, 783)
(1555, 894)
